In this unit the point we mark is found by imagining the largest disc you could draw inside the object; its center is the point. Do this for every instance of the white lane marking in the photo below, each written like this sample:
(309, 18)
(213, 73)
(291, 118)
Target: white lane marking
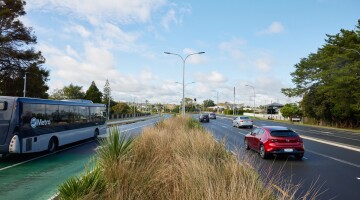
(305, 158)
(332, 143)
(224, 126)
(336, 159)
(243, 133)
(20, 163)
(327, 133)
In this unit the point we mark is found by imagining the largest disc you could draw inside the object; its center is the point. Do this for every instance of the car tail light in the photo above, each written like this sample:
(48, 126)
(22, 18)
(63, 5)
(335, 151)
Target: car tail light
(273, 140)
(251, 120)
(241, 121)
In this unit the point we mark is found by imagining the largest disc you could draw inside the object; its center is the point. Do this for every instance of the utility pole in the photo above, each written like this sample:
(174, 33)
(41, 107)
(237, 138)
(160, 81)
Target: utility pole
(134, 107)
(217, 101)
(234, 103)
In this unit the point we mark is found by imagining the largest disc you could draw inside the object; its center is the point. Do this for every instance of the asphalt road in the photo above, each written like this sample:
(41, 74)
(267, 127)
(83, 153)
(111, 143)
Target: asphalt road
(37, 176)
(331, 164)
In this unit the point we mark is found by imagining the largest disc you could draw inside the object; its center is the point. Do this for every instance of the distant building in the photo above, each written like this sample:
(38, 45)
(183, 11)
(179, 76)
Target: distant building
(273, 108)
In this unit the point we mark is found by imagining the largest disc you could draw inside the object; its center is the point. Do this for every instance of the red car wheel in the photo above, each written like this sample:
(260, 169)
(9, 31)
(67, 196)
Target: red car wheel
(262, 152)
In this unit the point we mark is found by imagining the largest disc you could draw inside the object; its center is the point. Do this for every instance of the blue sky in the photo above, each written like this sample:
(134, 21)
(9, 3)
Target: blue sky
(246, 42)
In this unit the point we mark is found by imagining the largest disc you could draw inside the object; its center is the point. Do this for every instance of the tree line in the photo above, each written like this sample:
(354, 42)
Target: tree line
(329, 81)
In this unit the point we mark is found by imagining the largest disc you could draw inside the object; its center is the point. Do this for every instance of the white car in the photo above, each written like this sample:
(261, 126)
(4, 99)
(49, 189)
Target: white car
(242, 121)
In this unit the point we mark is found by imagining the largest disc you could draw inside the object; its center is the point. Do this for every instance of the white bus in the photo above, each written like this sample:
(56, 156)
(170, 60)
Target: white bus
(29, 125)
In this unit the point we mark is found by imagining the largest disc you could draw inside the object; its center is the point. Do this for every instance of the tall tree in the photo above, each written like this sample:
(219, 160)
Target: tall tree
(68, 92)
(290, 110)
(57, 94)
(93, 93)
(329, 80)
(106, 93)
(73, 92)
(17, 54)
(121, 108)
(208, 103)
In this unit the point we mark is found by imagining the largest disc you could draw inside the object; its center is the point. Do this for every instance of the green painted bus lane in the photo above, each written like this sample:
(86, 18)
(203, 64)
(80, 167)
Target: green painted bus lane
(39, 179)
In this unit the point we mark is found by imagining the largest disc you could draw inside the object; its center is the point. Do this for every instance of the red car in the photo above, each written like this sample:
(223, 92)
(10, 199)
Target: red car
(275, 140)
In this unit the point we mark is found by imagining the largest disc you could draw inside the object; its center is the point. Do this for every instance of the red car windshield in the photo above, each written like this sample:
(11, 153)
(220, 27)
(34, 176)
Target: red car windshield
(283, 133)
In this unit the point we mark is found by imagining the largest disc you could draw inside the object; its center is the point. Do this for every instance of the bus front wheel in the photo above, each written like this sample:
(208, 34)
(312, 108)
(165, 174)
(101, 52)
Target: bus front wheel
(52, 145)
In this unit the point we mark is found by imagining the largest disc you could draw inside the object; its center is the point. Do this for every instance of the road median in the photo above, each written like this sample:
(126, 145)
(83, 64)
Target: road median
(175, 159)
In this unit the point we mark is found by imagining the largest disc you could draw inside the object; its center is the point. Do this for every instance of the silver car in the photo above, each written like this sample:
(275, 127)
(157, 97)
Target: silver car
(242, 121)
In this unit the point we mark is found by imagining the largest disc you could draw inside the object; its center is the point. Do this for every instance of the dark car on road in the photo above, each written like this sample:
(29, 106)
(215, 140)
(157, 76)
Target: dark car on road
(275, 140)
(204, 117)
(212, 116)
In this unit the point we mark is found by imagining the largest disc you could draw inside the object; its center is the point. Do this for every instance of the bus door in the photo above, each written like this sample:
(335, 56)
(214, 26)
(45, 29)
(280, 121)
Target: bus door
(6, 108)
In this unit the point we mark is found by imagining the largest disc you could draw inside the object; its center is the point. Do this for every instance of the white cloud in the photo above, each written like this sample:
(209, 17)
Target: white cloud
(175, 15)
(274, 28)
(96, 11)
(81, 30)
(232, 48)
(96, 64)
(169, 18)
(70, 51)
(147, 76)
(212, 77)
(264, 64)
(267, 89)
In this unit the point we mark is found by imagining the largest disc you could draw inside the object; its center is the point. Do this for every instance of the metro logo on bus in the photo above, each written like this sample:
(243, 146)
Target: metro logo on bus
(39, 122)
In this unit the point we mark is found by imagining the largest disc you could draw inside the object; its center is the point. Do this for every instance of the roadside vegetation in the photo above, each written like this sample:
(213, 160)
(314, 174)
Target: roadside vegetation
(328, 81)
(175, 159)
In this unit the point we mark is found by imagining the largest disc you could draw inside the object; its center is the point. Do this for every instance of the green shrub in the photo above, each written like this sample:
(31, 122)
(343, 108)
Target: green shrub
(194, 124)
(114, 147)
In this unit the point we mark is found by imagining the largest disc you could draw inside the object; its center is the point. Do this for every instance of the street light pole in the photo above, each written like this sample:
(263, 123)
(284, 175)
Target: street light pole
(183, 83)
(25, 84)
(254, 96)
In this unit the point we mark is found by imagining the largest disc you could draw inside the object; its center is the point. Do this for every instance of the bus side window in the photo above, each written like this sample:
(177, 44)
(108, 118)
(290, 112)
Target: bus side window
(72, 114)
(84, 114)
(38, 111)
(52, 114)
(26, 115)
(64, 114)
